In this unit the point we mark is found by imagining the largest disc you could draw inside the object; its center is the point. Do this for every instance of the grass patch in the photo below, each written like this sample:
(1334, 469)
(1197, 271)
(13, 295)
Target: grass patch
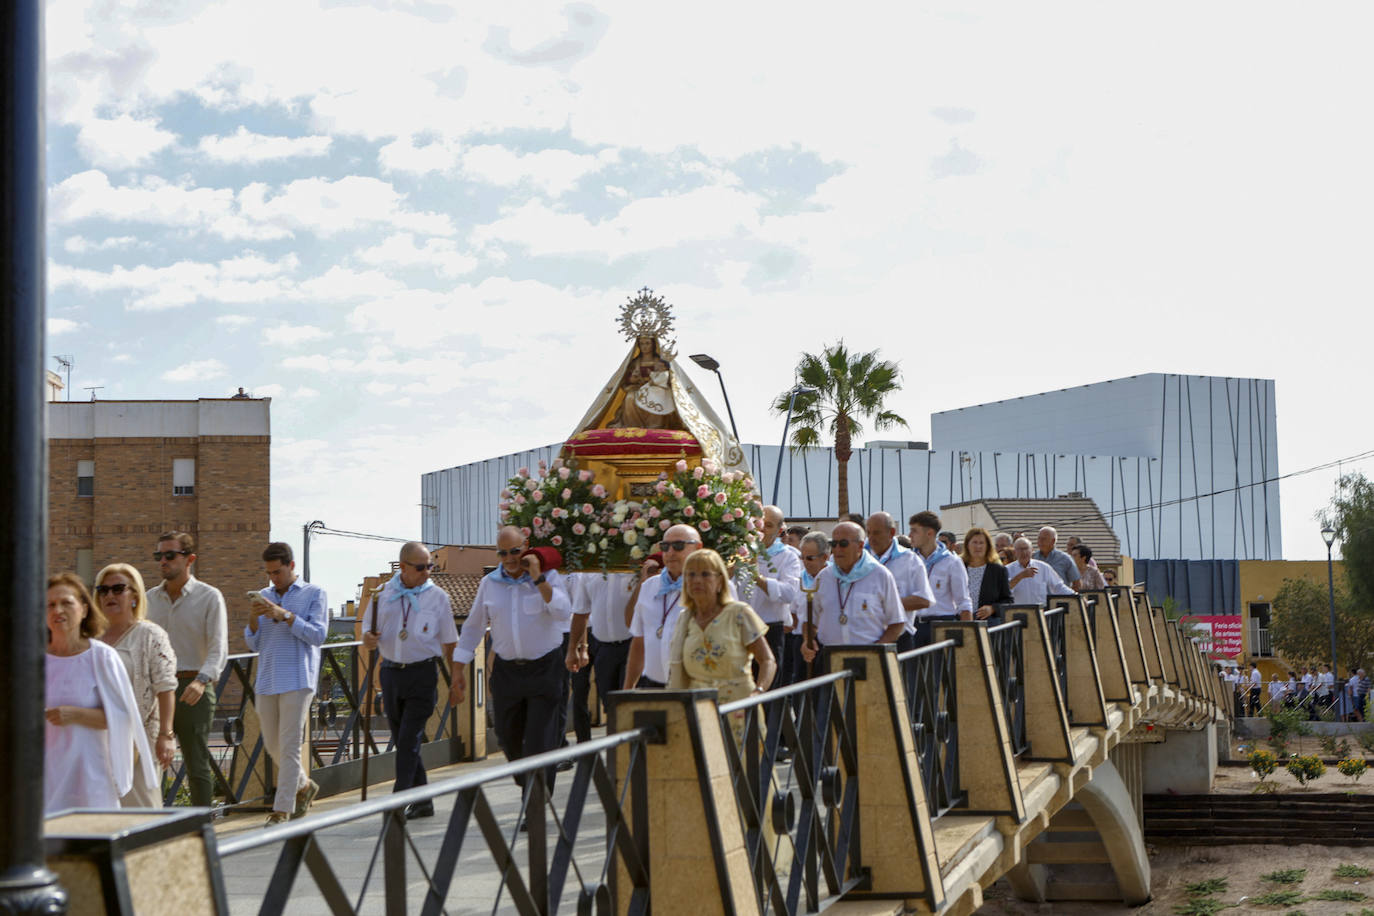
(1285, 876)
(1202, 906)
(1352, 871)
(1336, 893)
(1284, 898)
(1206, 888)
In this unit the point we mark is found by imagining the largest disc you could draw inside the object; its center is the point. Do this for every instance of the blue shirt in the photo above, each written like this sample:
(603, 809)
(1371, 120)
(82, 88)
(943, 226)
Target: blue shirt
(289, 654)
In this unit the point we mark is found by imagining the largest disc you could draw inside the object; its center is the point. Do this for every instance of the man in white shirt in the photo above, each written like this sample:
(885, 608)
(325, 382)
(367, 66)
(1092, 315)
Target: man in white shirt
(600, 639)
(906, 566)
(194, 616)
(815, 554)
(411, 622)
(1326, 687)
(856, 600)
(1032, 581)
(1061, 561)
(775, 587)
(657, 604)
(526, 609)
(1256, 683)
(947, 576)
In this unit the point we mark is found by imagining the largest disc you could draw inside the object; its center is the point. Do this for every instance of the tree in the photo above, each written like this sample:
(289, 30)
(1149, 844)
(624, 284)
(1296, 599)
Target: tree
(850, 388)
(1301, 625)
(1352, 515)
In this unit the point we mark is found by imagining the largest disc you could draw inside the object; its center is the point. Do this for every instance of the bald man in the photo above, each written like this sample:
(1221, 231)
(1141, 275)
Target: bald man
(1063, 564)
(527, 610)
(411, 622)
(856, 600)
(654, 609)
(906, 567)
(775, 589)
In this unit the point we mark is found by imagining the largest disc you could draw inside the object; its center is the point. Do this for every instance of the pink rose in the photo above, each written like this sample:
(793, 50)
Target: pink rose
(743, 551)
(703, 491)
(690, 511)
(537, 495)
(698, 472)
(557, 540)
(523, 472)
(587, 509)
(564, 473)
(579, 529)
(503, 505)
(681, 465)
(531, 484)
(584, 476)
(653, 512)
(704, 524)
(677, 493)
(543, 465)
(720, 499)
(664, 525)
(662, 475)
(612, 531)
(599, 491)
(526, 532)
(520, 499)
(660, 487)
(505, 494)
(566, 494)
(557, 463)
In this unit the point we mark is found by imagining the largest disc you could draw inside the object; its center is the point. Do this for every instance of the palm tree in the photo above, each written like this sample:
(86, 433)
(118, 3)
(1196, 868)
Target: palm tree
(849, 388)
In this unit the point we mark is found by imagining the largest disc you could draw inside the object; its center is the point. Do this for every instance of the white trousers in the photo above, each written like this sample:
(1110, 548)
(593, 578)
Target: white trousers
(141, 794)
(283, 718)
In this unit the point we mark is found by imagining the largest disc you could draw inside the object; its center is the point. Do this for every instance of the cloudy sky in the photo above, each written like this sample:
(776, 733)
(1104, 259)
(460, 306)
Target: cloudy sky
(411, 222)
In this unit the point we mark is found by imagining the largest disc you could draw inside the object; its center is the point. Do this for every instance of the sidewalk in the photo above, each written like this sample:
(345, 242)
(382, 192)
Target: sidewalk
(477, 882)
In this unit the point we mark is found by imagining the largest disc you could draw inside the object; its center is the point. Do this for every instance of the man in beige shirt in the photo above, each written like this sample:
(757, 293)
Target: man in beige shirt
(194, 616)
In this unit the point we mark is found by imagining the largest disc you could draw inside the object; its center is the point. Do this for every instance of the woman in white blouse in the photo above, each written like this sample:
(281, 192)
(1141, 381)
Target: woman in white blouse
(146, 651)
(94, 738)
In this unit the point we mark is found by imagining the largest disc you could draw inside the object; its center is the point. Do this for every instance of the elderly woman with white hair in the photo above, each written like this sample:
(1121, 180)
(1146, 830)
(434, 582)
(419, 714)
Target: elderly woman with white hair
(146, 652)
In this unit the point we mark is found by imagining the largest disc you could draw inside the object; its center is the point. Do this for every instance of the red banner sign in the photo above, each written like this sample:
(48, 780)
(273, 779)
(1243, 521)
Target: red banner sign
(1222, 635)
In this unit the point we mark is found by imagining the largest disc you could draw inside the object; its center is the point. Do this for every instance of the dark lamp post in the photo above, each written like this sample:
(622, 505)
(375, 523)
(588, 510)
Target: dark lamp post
(791, 403)
(710, 365)
(1329, 536)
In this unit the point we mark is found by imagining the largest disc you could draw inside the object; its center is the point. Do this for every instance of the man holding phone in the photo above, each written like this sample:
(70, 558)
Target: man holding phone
(411, 621)
(194, 616)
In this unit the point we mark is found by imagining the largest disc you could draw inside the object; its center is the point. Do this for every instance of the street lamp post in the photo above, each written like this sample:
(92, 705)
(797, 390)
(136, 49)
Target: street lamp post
(1329, 536)
(791, 402)
(710, 365)
(305, 552)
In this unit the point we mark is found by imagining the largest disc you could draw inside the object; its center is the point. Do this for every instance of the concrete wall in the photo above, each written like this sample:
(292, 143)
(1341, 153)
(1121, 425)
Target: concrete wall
(1184, 763)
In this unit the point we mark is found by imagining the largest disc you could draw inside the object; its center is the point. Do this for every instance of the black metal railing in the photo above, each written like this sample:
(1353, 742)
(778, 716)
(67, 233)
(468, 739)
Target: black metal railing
(555, 873)
(1056, 627)
(1009, 661)
(344, 694)
(933, 706)
(794, 765)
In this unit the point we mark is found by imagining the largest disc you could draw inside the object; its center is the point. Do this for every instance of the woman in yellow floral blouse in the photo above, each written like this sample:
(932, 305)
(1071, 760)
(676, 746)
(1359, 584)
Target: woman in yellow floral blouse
(717, 638)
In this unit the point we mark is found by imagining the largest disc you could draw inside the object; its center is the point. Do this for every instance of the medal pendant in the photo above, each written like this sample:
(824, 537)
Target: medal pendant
(844, 619)
(659, 631)
(404, 634)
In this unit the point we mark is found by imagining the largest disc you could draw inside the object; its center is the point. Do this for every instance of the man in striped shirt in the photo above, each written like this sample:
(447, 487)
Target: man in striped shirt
(286, 628)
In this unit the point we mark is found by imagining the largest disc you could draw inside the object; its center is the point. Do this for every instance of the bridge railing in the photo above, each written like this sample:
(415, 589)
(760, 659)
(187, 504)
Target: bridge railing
(1008, 657)
(932, 701)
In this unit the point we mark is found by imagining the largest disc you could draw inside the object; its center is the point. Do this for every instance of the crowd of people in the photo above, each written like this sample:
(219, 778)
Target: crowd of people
(1313, 688)
(131, 673)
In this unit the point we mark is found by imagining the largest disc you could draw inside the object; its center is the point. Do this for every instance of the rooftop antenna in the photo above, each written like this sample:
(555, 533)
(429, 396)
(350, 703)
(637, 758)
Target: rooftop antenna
(92, 389)
(66, 361)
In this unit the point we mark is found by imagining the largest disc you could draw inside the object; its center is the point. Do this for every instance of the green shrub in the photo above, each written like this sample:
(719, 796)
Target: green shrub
(1285, 876)
(1286, 723)
(1353, 767)
(1283, 898)
(1352, 871)
(1334, 893)
(1263, 763)
(1206, 888)
(1306, 768)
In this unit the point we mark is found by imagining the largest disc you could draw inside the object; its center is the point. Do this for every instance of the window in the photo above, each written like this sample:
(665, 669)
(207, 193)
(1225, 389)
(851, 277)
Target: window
(183, 476)
(85, 564)
(85, 478)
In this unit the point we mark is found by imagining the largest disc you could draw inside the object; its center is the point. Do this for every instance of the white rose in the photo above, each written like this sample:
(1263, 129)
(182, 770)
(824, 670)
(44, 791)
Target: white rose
(605, 543)
(641, 523)
(631, 537)
(636, 553)
(595, 528)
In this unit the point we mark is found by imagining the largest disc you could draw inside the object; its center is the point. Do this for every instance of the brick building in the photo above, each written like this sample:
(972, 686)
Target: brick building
(122, 472)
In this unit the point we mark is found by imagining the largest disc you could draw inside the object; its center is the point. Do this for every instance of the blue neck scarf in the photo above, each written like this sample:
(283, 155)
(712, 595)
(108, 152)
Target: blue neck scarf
(808, 581)
(666, 585)
(505, 578)
(402, 591)
(938, 554)
(894, 551)
(775, 548)
(865, 565)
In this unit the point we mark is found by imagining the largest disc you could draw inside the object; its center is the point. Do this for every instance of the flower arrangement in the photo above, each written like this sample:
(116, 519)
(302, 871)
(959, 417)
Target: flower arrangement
(724, 507)
(562, 507)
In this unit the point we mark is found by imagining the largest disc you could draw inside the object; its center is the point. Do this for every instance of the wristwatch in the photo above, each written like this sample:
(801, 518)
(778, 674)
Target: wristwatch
(541, 580)
(203, 678)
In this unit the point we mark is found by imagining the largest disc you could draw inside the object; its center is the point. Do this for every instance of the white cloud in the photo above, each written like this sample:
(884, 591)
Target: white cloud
(123, 142)
(401, 250)
(325, 207)
(287, 335)
(245, 146)
(402, 155)
(234, 322)
(305, 394)
(315, 363)
(89, 195)
(196, 371)
(243, 280)
(554, 171)
(345, 284)
(77, 244)
(61, 326)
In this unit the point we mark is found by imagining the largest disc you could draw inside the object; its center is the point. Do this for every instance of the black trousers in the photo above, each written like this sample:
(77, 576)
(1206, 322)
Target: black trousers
(580, 688)
(609, 661)
(792, 667)
(527, 699)
(409, 694)
(774, 638)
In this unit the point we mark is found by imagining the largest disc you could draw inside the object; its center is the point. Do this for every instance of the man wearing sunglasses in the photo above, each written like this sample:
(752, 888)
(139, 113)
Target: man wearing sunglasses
(527, 609)
(776, 589)
(656, 606)
(194, 617)
(906, 567)
(856, 600)
(411, 621)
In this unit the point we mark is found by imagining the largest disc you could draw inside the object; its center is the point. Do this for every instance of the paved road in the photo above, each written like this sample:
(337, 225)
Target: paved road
(351, 847)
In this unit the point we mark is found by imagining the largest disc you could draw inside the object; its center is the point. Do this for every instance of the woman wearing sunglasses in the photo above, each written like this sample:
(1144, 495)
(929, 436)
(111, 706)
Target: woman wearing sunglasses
(146, 651)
